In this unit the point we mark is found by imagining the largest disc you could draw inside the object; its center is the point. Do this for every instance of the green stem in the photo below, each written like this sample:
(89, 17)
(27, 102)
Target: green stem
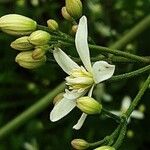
(107, 139)
(30, 112)
(138, 97)
(130, 74)
(121, 136)
(132, 33)
(119, 53)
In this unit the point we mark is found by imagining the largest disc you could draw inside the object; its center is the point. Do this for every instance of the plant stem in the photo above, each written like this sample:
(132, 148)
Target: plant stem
(107, 139)
(119, 53)
(121, 136)
(132, 33)
(130, 74)
(138, 97)
(30, 112)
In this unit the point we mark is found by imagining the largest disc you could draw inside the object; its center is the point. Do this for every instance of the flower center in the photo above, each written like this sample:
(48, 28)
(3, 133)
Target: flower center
(79, 79)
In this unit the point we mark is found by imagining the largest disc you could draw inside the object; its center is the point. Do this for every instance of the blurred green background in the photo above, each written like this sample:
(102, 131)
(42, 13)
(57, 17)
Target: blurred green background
(108, 20)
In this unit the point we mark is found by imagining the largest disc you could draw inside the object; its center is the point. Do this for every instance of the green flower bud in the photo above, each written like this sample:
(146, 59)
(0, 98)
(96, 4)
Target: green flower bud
(89, 105)
(79, 144)
(39, 37)
(52, 24)
(22, 44)
(39, 51)
(15, 24)
(65, 14)
(74, 8)
(25, 60)
(74, 29)
(105, 148)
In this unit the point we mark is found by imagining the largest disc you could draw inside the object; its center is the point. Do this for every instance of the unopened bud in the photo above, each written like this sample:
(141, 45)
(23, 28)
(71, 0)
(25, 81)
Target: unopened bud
(52, 24)
(89, 105)
(79, 144)
(65, 14)
(74, 29)
(15, 24)
(74, 8)
(22, 44)
(58, 98)
(105, 148)
(39, 37)
(25, 60)
(40, 51)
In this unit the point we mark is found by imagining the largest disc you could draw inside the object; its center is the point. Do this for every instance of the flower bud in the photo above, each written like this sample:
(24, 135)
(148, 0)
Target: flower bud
(25, 60)
(74, 8)
(105, 148)
(89, 105)
(58, 98)
(39, 37)
(39, 51)
(65, 14)
(15, 24)
(22, 44)
(79, 144)
(74, 29)
(52, 24)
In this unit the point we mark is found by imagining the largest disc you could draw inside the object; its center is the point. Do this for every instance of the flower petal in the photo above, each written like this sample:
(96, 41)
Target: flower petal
(125, 103)
(118, 113)
(102, 71)
(82, 43)
(137, 114)
(80, 122)
(74, 94)
(62, 109)
(64, 61)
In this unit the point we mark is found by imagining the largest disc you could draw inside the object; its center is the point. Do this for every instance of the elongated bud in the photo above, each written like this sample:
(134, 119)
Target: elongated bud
(39, 37)
(40, 51)
(79, 144)
(89, 105)
(74, 29)
(22, 44)
(25, 60)
(52, 24)
(105, 148)
(58, 98)
(15, 24)
(65, 14)
(74, 8)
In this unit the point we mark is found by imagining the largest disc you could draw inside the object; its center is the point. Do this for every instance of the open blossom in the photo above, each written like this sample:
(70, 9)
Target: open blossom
(81, 79)
(125, 105)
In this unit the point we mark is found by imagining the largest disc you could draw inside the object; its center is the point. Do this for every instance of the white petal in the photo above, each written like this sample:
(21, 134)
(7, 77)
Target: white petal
(80, 122)
(125, 103)
(64, 61)
(62, 109)
(74, 94)
(102, 71)
(137, 114)
(91, 91)
(82, 43)
(118, 113)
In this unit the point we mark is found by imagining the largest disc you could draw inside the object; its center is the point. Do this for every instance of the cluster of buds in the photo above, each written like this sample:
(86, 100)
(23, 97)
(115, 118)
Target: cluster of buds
(33, 43)
(72, 10)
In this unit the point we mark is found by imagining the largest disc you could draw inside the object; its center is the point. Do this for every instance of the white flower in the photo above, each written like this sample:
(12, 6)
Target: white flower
(81, 80)
(125, 105)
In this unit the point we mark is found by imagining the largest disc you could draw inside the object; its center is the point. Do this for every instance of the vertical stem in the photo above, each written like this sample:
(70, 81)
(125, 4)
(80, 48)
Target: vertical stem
(138, 97)
(30, 112)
